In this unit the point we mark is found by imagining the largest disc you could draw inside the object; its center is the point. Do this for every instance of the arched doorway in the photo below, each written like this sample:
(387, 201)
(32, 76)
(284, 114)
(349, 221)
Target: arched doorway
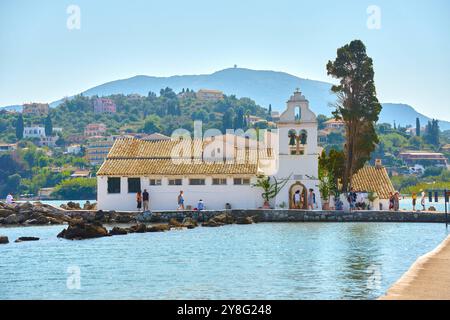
(303, 196)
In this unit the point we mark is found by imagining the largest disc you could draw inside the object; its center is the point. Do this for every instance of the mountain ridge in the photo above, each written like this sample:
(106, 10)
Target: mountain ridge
(263, 86)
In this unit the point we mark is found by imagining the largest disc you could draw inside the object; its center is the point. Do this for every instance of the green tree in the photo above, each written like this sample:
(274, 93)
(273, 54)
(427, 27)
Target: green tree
(48, 126)
(432, 132)
(227, 122)
(19, 127)
(357, 105)
(417, 127)
(75, 189)
(321, 119)
(152, 124)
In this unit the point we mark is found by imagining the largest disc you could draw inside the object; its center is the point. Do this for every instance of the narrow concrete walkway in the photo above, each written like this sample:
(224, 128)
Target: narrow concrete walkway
(427, 279)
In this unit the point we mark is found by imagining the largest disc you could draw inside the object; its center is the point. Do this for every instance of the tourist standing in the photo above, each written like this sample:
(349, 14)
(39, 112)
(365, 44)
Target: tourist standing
(391, 201)
(414, 200)
(9, 198)
(139, 200)
(352, 198)
(181, 200)
(396, 201)
(145, 199)
(311, 199)
(422, 201)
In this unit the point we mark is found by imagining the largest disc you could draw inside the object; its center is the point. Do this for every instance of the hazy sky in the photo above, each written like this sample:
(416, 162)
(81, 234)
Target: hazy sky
(41, 59)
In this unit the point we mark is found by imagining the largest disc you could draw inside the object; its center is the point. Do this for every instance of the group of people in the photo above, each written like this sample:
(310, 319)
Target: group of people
(394, 201)
(299, 200)
(422, 200)
(142, 199)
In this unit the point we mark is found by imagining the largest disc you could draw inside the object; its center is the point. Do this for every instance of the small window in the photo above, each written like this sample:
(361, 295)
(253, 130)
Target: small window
(175, 182)
(155, 182)
(219, 181)
(241, 181)
(113, 185)
(134, 185)
(197, 182)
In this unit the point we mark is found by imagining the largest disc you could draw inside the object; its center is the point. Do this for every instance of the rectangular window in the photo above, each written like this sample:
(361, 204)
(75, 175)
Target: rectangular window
(219, 181)
(134, 185)
(155, 182)
(241, 181)
(113, 185)
(175, 182)
(197, 182)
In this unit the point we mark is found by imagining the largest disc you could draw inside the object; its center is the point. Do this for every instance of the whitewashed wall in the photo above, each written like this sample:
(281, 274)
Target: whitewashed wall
(164, 197)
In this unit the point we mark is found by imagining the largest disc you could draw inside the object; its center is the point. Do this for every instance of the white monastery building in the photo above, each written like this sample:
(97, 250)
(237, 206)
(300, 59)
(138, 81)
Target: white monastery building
(220, 169)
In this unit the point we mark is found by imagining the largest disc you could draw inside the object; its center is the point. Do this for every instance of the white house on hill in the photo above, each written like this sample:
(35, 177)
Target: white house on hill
(220, 170)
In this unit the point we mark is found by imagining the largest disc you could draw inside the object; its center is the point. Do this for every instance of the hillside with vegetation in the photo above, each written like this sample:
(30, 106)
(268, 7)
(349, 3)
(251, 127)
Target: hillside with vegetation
(30, 168)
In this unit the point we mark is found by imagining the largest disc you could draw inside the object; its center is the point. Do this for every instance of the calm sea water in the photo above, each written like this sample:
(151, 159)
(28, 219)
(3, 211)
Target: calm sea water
(260, 261)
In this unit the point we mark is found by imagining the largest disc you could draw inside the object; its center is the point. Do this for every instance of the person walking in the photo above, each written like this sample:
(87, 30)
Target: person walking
(145, 199)
(139, 200)
(414, 200)
(422, 201)
(181, 200)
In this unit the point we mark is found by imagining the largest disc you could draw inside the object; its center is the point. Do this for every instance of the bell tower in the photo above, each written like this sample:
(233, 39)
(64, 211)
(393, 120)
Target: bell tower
(297, 127)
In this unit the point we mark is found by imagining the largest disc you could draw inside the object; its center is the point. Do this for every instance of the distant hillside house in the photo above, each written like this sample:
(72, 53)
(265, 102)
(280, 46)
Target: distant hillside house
(209, 95)
(253, 119)
(35, 109)
(33, 132)
(220, 170)
(446, 148)
(424, 158)
(48, 141)
(7, 147)
(74, 149)
(97, 150)
(104, 105)
(95, 129)
(334, 124)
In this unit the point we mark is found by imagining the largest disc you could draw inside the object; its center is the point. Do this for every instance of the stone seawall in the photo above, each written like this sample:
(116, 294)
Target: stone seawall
(261, 215)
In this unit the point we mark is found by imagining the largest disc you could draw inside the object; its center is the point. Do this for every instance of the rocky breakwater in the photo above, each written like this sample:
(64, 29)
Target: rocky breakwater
(80, 229)
(31, 214)
(226, 218)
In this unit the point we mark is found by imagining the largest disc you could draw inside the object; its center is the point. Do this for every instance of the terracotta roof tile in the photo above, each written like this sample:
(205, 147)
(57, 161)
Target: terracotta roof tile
(133, 157)
(372, 179)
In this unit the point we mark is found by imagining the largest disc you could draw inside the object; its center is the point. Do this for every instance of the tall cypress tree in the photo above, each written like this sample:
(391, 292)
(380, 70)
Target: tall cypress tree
(418, 127)
(48, 126)
(19, 127)
(357, 105)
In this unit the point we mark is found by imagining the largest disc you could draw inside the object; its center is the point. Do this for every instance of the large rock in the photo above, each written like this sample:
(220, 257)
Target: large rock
(80, 230)
(6, 212)
(244, 220)
(15, 218)
(224, 218)
(40, 220)
(22, 239)
(219, 220)
(189, 223)
(116, 231)
(124, 218)
(139, 228)
(4, 240)
(89, 206)
(174, 223)
(158, 228)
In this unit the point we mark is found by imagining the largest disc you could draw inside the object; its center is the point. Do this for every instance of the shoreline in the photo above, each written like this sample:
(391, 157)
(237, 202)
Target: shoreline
(428, 278)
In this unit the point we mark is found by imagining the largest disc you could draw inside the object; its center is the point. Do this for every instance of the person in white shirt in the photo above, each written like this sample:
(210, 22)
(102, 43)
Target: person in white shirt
(9, 199)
